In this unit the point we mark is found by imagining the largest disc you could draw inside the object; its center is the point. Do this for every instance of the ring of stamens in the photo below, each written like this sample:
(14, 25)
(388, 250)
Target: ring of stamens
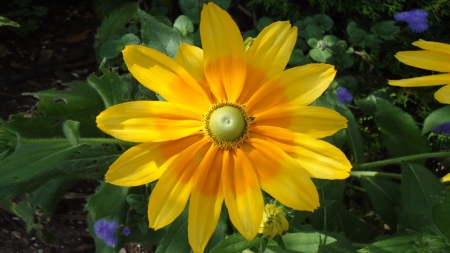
(226, 144)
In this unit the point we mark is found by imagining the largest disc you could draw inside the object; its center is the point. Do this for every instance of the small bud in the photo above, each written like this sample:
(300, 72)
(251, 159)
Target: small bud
(274, 221)
(248, 42)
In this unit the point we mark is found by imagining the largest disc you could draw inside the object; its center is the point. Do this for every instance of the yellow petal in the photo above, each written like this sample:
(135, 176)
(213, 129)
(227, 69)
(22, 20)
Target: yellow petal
(433, 46)
(319, 158)
(430, 60)
(433, 80)
(224, 55)
(443, 94)
(445, 178)
(206, 200)
(191, 59)
(163, 75)
(314, 121)
(281, 176)
(296, 86)
(242, 192)
(145, 163)
(268, 56)
(149, 121)
(172, 191)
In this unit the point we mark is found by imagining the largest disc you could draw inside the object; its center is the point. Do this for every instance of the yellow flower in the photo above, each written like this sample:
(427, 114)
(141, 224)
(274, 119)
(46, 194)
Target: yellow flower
(435, 57)
(234, 123)
(274, 221)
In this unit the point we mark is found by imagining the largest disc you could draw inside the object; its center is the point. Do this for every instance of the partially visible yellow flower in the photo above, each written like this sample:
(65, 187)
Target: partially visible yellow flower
(235, 123)
(274, 221)
(445, 178)
(435, 57)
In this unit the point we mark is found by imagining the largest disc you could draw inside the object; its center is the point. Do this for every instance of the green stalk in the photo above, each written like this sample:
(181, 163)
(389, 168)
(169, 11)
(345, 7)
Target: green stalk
(82, 141)
(375, 174)
(399, 159)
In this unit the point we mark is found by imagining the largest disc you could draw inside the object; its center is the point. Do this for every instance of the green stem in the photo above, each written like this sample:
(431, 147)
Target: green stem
(399, 159)
(375, 174)
(82, 141)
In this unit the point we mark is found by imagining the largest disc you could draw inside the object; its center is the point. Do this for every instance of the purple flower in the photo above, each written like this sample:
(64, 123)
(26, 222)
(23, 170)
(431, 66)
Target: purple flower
(126, 231)
(105, 230)
(442, 128)
(416, 19)
(343, 95)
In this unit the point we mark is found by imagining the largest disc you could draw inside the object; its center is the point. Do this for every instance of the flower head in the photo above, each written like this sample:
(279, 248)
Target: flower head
(274, 221)
(126, 231)
(343, 95)
(416, 19)
(234, 123)
(443, 128)
(435, 57)
(105, 230)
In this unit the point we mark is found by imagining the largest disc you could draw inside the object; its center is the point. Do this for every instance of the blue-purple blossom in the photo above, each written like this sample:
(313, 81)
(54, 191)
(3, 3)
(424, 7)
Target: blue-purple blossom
(105, 230)
(126, 231)
(443, 128)
(343, 95)
(416, 19)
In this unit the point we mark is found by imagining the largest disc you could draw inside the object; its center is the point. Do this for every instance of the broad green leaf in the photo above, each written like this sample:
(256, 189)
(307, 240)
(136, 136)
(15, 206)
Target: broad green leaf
(441, 213)
(298, 58)
(138, 203)
(110, 87)
(339, 47)
(385, 29)
(344, 61)
(313, 31)
(184, 24)
(130, 39)
(234, 243)
(392, 245)
(320, 55)
(176, 237)
(8, 22)
(115, 23)
(31, 165)
(111, 49)
(436, 118)
(356, 36)
(70, 130)
(106, 201)
(161, 37)
(384, 196)
(220, 231)
(331, 195)
(79, 102)
(263, 22)
(250, 33)
(420, 192)
(353, 228)
(372, 41)
(191, 9)
(304, 242)
(323, 21)
(312, 42)
(330, 40)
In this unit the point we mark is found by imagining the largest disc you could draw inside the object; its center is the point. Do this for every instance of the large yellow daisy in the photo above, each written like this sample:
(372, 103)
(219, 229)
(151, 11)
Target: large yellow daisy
(234, 123)
(435, 57)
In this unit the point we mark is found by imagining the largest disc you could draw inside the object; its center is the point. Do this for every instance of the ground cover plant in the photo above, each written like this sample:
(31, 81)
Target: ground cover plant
(245, 126)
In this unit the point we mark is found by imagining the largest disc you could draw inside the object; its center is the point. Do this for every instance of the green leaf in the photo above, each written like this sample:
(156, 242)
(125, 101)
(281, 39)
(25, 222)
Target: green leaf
(110, 87)
(115, 24)
(30, 166)
(191, 9)
(78, 102)
(263, 22)
(312, 42)
(400, 244)
(161, 37)
(8, 22)
(250, 33)
(420, 191)
(331, 195)
(436, 118)
(384, 196)
(320, 55)
(111, 49)
(106, 201)
(184, 24)
(351, 225)
(304, 242)
(441, 213)
(330, 40)
(313, 31)
(138, 203)
(385, 29)
(234, 243)
(176, 237)
(220, 231)
(356, 36)
(130, 39)
(323, 21)
(279, 240)
(298, 58)
(70, 130)
(339, 47)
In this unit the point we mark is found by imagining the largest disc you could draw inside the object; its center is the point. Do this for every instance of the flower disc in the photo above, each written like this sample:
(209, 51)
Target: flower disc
(227, 123)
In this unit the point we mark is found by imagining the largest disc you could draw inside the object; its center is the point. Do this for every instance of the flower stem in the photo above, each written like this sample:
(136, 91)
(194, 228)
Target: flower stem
(82, 141)
(399, 159)
(375, 174)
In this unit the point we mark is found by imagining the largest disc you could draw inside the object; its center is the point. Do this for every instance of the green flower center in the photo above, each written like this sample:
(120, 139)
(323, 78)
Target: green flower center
(227, 123)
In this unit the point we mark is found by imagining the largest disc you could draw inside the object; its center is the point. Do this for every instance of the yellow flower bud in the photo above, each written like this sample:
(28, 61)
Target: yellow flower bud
(274, 221)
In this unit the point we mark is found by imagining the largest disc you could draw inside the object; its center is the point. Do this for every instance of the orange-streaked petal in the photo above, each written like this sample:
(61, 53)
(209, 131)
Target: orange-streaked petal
(281, 176)
(145, 163)
(224, 55)
(164, 75)
(206, 200)
(443, 94)
(149, 121)
(296, 86)
(314, 121)
(172, 191)
(268, 56)
(432, 80)
(430, 60)
(242, 193)
(433, 46)
(319, 158)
